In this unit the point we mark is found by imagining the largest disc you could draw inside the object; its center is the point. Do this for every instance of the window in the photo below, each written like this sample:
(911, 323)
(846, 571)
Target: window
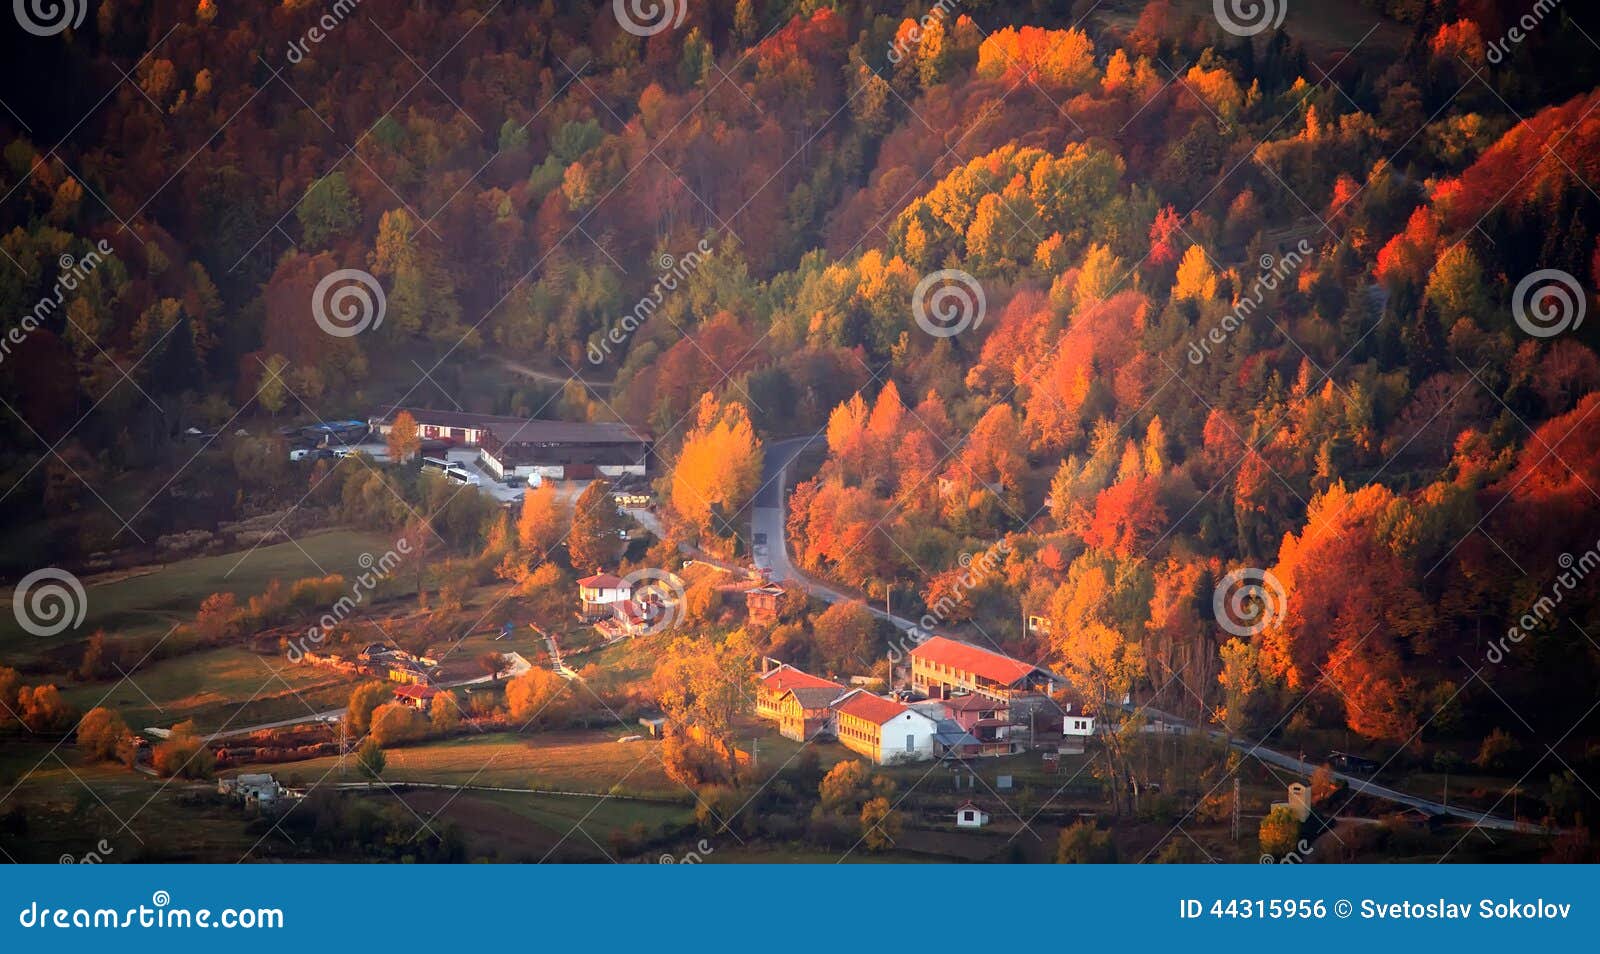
(911, 743)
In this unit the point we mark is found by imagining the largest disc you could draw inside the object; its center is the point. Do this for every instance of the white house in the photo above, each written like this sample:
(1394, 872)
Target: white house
(971, 816)
(1075, 721)
(1078, 724)
(884, 730)
(600, 595)
(258, 790)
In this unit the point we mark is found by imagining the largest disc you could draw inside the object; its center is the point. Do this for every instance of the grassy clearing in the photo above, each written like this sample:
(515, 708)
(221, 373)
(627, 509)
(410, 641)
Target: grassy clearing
(152, 602)
(738, 855)
(217, 685)
(73, 807)
(565, 761)
(598, 816)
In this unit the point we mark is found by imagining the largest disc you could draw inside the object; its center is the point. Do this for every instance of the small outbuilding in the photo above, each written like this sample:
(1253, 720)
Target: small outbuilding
(970, 815)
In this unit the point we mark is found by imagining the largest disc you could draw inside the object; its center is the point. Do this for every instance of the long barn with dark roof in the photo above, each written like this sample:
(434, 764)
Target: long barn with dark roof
(519, 447)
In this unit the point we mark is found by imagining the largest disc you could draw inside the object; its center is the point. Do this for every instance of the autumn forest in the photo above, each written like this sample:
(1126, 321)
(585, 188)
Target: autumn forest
(1234, 375)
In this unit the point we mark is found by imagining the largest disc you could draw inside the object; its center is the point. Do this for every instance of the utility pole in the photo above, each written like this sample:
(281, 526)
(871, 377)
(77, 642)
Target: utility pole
(1236, 808)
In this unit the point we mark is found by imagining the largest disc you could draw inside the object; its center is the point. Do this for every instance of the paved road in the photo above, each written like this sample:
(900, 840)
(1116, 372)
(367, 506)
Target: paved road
(769, 518)
(1357, 784)
(768, 522)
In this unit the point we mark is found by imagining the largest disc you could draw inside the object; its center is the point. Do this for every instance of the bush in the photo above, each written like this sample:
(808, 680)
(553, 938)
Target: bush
(184, 754)
(370, 758)
(393, 723)
(43, 711)
(1082, 843)
(1280, 832)
(101, 734)
(1494, 755)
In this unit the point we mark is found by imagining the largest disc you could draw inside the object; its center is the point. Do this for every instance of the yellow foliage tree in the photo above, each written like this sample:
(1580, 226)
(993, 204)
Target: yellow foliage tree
(1052, 57)
(404, 439)
(543, 521)
(719, 467)
(1196, 279)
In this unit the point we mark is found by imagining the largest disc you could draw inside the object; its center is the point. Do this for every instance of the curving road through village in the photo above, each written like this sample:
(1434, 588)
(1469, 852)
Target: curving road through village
(769, 529)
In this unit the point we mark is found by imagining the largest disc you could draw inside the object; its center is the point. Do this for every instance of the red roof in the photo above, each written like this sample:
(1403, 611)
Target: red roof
(603, 581)
(787, 677)
(415, 692)
(968, 658)
(874, 709)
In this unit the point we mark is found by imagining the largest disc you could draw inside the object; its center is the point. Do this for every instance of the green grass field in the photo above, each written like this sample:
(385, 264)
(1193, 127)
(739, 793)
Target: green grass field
(152, 602)
(217, 685)
(564, 761)
(73, 808)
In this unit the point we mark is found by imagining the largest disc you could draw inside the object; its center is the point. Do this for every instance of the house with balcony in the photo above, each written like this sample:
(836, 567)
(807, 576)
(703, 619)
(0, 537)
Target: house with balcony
(600, 595)
(986, 726)
(776, 679)
(944, 667)
(762, 604)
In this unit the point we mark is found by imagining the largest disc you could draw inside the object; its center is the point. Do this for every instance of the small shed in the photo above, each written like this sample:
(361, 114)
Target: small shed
(1300, 800)
(969, 815)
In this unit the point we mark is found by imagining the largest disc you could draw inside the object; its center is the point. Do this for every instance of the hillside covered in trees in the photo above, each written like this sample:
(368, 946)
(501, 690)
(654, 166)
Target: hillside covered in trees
(1293, 305)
